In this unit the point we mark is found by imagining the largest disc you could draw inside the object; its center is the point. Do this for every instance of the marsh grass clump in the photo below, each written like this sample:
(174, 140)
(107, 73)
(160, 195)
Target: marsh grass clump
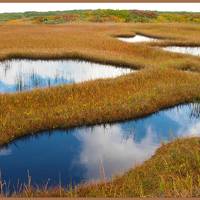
(95, 102)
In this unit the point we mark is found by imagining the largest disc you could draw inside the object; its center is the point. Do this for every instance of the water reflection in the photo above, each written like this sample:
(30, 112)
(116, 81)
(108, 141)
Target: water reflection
(113, 150)
(78, 154)
(186, 50)
(19, 75)
(138, 38)
(5, 152)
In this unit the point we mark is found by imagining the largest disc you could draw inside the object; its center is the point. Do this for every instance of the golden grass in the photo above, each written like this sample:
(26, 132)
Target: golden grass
(157, 86)
(174, 171)
(160, 84)
(96, 42)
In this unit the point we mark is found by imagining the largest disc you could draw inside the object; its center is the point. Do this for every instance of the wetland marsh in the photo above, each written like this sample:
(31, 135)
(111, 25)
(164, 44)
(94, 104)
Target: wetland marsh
(79, 154)
(119, 95)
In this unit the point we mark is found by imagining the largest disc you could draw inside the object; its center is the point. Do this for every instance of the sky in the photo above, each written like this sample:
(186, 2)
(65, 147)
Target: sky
(22, 7)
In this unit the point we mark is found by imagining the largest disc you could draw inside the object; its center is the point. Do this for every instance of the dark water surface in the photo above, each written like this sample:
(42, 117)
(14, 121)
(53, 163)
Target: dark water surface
(77, 155)
(20, 75)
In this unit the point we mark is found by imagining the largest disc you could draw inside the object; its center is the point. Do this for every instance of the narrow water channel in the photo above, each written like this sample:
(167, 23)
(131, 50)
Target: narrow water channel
(77, 155)
(195, 51)
(20, 75)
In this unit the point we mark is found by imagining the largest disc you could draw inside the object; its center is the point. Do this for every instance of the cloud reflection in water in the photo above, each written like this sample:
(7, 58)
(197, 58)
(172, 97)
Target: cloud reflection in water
(116, 152)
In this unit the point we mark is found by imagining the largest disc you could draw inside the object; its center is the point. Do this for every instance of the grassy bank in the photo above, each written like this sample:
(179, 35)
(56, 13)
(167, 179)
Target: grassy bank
(100, 101)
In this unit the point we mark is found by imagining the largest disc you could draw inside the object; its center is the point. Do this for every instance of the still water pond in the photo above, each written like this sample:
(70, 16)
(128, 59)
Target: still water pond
(19, 75)
(140, 38)
(195, 51)
(137, 38)
(78, 154)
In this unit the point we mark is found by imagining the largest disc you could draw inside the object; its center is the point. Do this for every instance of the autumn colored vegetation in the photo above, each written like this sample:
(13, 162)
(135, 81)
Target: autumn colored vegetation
(107, 15)
(163, 79)
(159, 84)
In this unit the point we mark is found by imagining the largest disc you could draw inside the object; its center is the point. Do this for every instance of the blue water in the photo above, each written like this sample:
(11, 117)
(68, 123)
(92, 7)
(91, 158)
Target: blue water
(77, 155)
(20, 75)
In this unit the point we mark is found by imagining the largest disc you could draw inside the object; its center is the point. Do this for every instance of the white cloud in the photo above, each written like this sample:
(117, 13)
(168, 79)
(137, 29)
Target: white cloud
(188, 125)
(116, 153)
(68, 71)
